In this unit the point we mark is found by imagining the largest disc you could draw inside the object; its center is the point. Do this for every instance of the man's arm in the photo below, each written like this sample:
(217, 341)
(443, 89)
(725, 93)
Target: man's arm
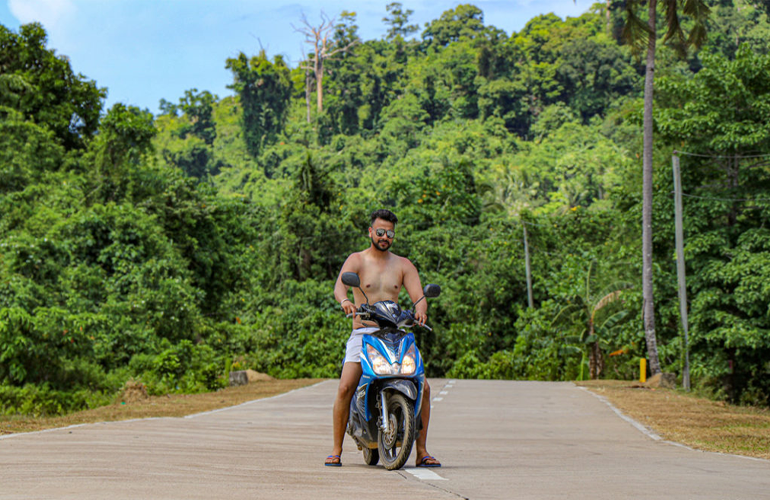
(351, 265)
(414, 289)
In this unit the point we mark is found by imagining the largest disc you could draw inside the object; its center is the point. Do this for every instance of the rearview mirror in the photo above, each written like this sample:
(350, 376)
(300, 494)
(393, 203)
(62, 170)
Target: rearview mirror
(351, 279)
(431, 290)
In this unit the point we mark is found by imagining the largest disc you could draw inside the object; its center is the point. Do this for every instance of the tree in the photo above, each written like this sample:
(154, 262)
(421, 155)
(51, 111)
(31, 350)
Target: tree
(197, 108)
(398, 21)
(511, 197)
(324, 46)
(763, 4)
(592, 74)
(197, 130)
(265, 89)
(721, 114)
(41, 85)
(640, 36)
(124, 140)
(312, 233)
(27, 152)
(464, 21)
(598, 312)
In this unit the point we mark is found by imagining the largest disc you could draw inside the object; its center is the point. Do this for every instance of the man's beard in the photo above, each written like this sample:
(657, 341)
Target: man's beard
(377, 246)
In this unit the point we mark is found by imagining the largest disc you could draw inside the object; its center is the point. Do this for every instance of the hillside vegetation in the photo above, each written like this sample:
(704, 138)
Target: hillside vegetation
(174, 248)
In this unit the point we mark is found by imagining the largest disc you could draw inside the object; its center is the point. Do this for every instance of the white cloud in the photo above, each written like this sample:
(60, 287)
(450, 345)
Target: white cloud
(49, 13)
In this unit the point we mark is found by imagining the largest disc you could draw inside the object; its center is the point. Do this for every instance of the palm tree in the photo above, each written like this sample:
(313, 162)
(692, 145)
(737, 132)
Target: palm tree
(642, 35)
(510, 195)
(598, 312)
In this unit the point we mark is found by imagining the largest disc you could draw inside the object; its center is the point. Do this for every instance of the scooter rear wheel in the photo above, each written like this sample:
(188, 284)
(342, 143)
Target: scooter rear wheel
(396, 445)
(371, 456)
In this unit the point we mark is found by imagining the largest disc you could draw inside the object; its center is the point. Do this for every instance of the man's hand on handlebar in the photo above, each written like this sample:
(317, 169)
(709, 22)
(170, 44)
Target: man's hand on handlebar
(349, 307)
(421, 318)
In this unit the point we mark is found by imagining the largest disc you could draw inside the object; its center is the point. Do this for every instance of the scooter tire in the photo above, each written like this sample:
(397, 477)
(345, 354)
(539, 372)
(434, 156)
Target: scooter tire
(371, 456)
(400, 411)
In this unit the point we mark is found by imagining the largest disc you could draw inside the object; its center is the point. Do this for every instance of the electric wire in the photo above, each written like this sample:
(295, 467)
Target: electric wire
(701, 155)
(713, 198)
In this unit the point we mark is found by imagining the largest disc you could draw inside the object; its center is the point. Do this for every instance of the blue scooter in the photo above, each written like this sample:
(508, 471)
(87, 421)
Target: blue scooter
(385, 409)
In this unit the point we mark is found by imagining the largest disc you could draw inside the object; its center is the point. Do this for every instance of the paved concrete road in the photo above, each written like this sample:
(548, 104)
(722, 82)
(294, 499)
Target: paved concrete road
(497, 440)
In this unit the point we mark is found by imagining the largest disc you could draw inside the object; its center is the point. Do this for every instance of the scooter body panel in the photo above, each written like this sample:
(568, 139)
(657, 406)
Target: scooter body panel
(392, 345)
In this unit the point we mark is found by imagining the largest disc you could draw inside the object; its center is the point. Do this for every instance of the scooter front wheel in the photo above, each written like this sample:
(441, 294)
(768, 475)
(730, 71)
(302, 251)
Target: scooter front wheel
(396, 445)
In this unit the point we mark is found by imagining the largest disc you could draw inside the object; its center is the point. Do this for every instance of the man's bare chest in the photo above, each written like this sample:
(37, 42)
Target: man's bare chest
(382, 282)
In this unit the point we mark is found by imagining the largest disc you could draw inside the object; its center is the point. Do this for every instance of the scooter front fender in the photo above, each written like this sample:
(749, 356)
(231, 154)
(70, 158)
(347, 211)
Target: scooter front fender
(405, 387)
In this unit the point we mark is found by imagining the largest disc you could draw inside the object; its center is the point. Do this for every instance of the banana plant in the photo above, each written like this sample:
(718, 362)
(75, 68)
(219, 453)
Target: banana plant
(598, 313)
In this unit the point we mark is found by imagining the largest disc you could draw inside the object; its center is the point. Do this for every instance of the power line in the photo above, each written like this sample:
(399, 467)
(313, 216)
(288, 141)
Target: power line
(711, 198)
(700, 155)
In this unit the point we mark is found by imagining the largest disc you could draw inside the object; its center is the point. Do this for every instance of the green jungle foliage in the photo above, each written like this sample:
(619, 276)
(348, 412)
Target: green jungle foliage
(175, 248)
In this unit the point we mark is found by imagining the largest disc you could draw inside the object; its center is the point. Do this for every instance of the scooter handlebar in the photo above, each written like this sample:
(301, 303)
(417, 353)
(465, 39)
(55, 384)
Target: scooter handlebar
(366, 313)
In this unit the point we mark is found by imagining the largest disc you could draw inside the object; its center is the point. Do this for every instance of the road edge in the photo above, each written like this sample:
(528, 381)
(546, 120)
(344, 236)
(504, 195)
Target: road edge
(653, 435)
(192, 415)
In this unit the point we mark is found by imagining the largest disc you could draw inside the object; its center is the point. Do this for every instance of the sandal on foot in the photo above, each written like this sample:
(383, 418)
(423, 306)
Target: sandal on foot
(428, 461)
(333, 461)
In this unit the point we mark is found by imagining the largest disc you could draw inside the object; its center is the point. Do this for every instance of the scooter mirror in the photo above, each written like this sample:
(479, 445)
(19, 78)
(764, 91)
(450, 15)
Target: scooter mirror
(351, 279)
(431, 290)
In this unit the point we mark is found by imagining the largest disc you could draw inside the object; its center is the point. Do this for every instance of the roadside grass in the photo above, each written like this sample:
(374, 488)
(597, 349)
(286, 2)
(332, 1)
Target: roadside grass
(171, 405)
(684, 418)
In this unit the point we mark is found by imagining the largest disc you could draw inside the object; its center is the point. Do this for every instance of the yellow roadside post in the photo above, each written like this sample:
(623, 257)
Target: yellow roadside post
(642, 370)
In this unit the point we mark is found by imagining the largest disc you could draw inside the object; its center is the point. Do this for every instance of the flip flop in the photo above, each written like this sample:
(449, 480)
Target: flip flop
(427, 458)
(330, 461)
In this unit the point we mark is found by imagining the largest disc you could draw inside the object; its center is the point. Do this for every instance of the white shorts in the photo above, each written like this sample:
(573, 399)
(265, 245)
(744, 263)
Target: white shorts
(355, 343)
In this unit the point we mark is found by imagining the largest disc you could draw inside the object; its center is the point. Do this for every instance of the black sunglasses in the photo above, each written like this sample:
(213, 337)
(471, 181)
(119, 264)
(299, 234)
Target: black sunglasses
(381, 232)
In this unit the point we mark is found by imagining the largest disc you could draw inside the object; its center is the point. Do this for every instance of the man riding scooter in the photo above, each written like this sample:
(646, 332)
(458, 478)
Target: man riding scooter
(382, 275)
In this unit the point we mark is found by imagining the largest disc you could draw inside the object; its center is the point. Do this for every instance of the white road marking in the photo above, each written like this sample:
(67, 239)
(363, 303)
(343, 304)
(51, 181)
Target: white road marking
(443, 392)
(425, 474)
(438, 399)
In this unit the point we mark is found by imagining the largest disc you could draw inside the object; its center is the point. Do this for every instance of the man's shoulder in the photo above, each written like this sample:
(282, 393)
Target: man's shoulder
(356, 257)
(402, 261)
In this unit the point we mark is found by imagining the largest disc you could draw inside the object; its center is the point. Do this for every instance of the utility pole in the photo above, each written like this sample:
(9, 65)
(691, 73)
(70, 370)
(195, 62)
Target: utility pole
(680, 266)
(529, 270)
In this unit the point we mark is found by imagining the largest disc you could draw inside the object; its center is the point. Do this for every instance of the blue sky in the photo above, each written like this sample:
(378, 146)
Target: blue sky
(147, 50)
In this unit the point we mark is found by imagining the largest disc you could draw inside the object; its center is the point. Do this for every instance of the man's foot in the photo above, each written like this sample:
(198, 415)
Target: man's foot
(428, 461)
(333, 461)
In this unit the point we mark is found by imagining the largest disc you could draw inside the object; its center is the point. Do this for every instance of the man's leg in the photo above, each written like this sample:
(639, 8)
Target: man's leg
(422, 450)
(351, 373)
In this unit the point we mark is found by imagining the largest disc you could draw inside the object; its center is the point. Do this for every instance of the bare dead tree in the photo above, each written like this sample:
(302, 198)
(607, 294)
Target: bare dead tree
(324, 47)
(308, 84)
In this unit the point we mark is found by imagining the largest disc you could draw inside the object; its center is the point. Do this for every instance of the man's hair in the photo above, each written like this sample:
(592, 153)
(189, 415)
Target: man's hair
(383, 214)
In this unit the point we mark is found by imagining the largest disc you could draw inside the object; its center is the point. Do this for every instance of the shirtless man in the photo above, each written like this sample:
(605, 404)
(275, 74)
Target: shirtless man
(382, 275)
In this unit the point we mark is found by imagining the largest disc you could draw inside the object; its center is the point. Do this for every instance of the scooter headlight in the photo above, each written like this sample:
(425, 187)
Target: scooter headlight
(409, 364)
(380, 365)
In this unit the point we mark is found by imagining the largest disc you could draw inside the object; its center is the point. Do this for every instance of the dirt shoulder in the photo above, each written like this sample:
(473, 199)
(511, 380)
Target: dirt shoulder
(172, 405)
(690, 420)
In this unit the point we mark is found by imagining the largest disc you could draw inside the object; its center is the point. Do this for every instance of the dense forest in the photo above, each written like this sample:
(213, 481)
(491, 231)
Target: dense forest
(173, 248)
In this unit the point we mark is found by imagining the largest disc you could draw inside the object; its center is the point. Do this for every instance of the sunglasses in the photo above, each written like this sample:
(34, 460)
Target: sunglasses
(381, 232)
